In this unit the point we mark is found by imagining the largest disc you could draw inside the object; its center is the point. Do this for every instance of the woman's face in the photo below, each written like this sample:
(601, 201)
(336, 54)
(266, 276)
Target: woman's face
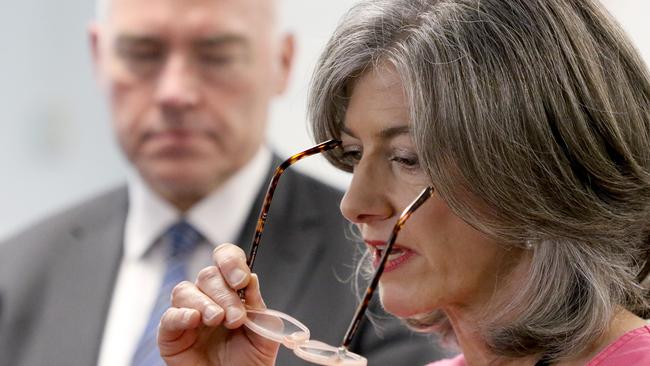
(439, 261)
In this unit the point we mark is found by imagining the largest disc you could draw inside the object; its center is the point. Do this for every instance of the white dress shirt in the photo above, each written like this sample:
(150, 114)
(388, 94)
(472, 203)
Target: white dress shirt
(219, 217)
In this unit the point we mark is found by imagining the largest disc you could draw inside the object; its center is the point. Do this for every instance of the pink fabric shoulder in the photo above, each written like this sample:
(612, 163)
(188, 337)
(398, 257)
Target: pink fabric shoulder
(631, 349)
(456, 361)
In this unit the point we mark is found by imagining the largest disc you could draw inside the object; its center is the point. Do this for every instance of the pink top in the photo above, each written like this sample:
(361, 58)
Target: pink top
(631, 349)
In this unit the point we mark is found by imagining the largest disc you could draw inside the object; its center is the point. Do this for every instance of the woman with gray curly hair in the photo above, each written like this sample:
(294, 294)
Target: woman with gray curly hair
(531, 121)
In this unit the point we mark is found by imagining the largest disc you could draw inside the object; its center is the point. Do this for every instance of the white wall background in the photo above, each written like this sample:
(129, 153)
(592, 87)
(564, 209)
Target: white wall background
(55, 143)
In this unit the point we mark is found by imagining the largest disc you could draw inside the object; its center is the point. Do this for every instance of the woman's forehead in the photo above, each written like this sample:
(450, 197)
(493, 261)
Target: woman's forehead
(377, 104)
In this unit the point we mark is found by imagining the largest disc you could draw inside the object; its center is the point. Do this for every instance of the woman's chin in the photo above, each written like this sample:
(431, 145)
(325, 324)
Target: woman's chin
(397, 306)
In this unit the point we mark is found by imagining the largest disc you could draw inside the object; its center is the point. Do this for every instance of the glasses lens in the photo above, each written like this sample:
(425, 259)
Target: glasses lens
(323, 354)
(277, 326)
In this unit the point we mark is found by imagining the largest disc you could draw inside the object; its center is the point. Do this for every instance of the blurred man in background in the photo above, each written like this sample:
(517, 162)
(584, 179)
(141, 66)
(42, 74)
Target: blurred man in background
(189, 85)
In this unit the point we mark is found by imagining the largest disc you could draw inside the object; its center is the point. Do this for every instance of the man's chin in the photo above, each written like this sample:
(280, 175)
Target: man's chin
(180, 187)
(184, 186)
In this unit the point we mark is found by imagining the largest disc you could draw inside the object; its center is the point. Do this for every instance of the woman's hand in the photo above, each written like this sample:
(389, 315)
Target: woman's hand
(204, 326)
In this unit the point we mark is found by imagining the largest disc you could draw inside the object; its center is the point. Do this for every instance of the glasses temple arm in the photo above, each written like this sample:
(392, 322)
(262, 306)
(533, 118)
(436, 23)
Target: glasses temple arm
(268, 197)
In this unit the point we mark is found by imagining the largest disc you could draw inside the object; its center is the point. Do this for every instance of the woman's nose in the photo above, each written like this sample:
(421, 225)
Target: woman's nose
(366, 198)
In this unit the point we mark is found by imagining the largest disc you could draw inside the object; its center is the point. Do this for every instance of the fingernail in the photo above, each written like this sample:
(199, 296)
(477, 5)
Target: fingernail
(234, 314)
(236, 277)
(211, 313)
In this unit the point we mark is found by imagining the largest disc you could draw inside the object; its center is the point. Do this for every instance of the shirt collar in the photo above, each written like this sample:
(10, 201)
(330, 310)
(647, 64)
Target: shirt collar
(219, 216)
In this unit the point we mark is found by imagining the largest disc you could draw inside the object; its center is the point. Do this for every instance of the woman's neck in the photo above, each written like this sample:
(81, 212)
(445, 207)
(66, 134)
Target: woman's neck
(466, 317)
(475, 349)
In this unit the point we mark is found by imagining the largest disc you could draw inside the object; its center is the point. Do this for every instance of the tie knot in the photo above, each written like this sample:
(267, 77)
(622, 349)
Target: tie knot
(182, 238)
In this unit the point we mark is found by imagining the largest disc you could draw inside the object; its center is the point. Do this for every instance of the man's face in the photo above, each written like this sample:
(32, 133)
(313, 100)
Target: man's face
(189, 84)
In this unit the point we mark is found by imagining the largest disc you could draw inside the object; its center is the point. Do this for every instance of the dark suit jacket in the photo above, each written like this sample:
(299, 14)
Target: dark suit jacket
(57, 277)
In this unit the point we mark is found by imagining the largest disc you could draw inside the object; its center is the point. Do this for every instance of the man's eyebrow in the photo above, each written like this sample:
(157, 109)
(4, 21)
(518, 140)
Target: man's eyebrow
(136, 40)
(221, 40)
(210, 41)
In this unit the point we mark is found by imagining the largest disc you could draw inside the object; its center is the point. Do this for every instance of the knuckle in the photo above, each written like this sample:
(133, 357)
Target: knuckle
(220, 248)
(180, 289)
(230, 261)
(167, 316)
(207, 274)
(225, 298)
(228, 252)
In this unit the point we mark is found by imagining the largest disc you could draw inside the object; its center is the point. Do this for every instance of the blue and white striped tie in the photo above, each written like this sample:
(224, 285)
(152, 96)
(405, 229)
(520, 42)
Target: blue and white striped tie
(181, 239)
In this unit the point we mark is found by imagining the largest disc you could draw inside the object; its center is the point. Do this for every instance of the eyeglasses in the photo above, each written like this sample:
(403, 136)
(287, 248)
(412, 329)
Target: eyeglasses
(282, 328)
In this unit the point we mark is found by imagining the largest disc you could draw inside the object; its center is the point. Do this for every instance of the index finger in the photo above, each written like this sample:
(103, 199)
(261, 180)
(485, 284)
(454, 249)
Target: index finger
(231, 261)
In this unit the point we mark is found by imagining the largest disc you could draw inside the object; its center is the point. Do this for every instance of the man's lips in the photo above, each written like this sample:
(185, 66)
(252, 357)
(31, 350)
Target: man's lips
(176, 138)
(172, 143)
(171, 135)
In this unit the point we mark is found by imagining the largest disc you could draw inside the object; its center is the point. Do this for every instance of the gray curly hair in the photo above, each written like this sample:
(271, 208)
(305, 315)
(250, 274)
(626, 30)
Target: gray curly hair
(532, 119)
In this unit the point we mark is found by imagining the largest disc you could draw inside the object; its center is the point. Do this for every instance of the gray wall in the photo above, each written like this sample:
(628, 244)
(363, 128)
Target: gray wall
(55, 141)
(56, 146)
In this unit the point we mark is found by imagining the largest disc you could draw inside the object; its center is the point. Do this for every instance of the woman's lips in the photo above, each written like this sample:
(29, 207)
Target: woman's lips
(398, 255)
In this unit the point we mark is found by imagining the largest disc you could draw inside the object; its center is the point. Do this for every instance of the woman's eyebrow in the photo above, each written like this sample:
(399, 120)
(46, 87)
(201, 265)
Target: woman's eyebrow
(384, 134)
(391, 132)
(347, 131)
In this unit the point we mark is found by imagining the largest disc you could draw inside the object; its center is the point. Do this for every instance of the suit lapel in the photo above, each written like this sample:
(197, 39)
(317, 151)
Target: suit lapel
(85, 281)
(281, 254)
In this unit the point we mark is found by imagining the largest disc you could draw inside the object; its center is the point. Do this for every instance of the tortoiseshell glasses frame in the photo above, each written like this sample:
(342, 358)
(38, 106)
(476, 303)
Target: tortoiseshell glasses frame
(284, 329)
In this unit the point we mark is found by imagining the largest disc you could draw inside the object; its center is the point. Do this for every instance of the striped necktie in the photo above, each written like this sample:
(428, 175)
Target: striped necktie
(180, 240)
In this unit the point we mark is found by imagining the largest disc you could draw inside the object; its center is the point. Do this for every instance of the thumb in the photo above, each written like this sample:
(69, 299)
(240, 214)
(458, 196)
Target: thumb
(178, 330)
(253, 295)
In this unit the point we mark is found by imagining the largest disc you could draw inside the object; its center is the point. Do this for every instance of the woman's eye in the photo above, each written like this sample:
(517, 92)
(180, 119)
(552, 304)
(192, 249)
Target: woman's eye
(409, 161)
(351, 156)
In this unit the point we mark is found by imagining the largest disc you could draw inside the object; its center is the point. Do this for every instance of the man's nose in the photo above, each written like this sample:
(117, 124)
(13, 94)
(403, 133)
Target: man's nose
(178, 84)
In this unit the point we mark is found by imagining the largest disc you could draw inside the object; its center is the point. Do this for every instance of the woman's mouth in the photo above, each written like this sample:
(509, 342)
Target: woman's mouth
(397, 256)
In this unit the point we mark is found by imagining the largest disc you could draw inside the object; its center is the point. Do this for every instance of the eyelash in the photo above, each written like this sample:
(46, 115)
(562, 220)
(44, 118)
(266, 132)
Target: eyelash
(409, 162)
(352, 155)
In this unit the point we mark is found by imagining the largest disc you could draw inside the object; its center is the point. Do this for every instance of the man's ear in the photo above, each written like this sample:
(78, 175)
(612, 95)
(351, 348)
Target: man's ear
(93, 31)
(287, 51)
